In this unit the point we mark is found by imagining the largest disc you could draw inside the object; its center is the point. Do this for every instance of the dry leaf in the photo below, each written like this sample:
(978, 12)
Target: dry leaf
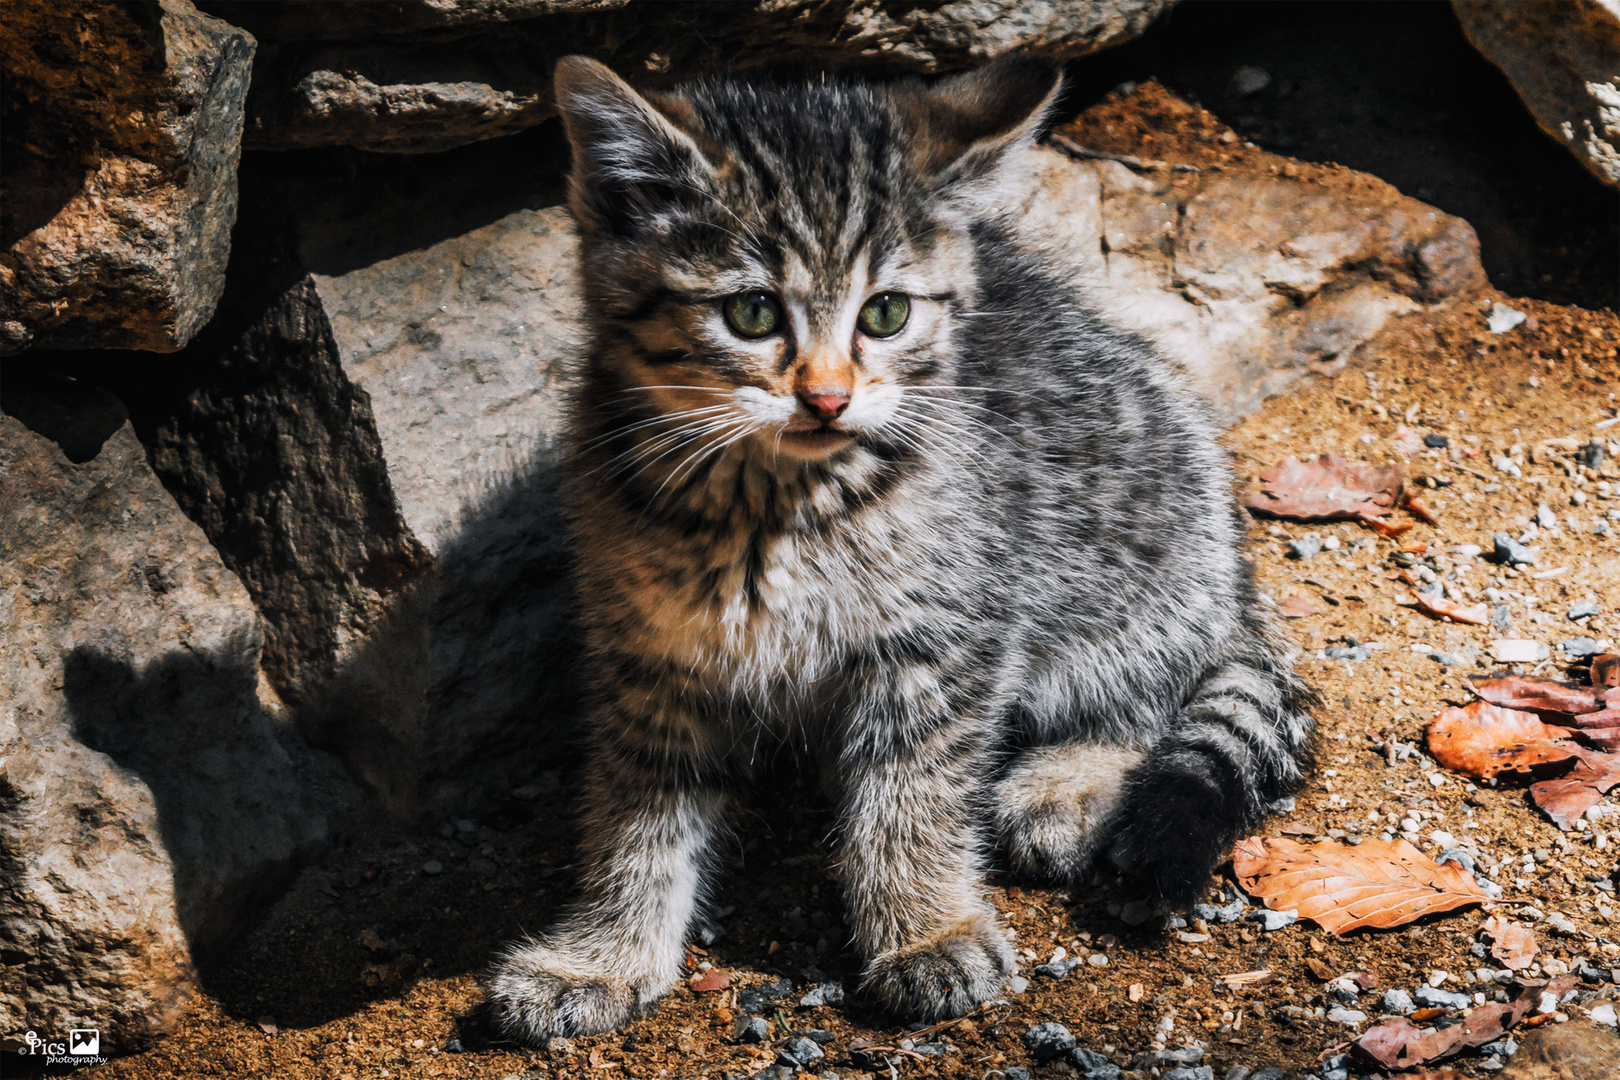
(713, 979)
(1295, 607)
(1513, 944)
(1418, 510)
(1541, 695)
(1441, 608)
(1399, 1044)
(1328, 489)
(1602, 727)
(1482, 740)
(1344, 888)
(1569, 796)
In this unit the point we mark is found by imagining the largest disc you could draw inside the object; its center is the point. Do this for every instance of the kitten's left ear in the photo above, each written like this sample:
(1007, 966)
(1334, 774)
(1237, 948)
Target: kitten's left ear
(969, 126)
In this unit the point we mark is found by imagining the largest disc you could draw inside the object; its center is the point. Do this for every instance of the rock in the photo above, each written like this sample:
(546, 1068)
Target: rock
(1048, 1041)
(1136, 912)
(1350, 1017)
(1275, 920)
(761, 997)
(1519, 651)
(1582, 646)
(1582, 609)
(1267, 1072)
(829, 993)
(1352, 653)
(1564, 62)
(148, 801)
(1201, 1072)
(1305, 547)
(1017, 984)
(751, 1029)
(1603, 1014)
(1430, 997)
(1057, 969)
(1436, 442)
(1398, 1002)
(1545, 516)
(1181, 1055)
(428, 82)
(1510, 552)
(1092, 1065)
(1565, 1052)
(1502, 318)
(1251, 274)
(1247, 80)
(1590, 455)
(558, 1047)
(121, 135)
(799, 1052)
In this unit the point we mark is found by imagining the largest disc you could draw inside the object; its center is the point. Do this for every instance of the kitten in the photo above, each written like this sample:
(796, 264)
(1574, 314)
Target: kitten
(850, 470)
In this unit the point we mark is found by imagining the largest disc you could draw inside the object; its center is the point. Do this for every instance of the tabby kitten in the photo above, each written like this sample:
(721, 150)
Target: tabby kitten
(851, 471)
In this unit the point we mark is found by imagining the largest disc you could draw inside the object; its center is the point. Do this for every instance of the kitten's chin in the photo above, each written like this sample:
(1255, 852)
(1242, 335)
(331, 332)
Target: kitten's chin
(815, 445)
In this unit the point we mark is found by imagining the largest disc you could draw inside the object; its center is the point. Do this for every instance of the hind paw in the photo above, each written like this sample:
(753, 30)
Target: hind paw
(947, 976)
(535, 994)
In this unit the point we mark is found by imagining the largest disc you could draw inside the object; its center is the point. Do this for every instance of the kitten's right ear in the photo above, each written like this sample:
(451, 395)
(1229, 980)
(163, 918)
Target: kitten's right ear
(630, 154)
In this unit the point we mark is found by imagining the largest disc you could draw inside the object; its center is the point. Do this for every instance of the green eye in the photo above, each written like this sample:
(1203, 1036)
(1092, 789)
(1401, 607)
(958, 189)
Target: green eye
(884, 314)
(751, 314)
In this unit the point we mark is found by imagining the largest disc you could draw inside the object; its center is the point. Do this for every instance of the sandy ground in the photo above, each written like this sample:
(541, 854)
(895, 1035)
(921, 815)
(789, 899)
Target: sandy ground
(369, 967)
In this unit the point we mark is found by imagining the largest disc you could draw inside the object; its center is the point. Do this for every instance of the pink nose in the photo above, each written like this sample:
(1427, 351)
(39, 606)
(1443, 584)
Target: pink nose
(825, 406)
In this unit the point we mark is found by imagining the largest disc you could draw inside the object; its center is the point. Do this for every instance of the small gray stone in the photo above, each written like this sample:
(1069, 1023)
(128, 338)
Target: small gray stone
(1015, 1072)
(1590, 456)
(1347, 1016)
(931, 1049)
(1583, 609)
(1238, 1072)
(750, 1029)
(1501, 1048)
(1432, 997)
(1228, 913)
(1136, 912)
(1017, 984)
(1047, 1041)
(1545, 517)
(1284, 805)
(1275, 920)
(1353, 653)
(1247, 80)
(1506, 465)
(1579, 646)
(799, 1052)
(759, 998)
(1446, 659)
(454, 1047)
(1202, 1072)
(1305, 547)
(1458, 856)
(1503, 318)
(1060, 968)
(829, 993)
(1268, 1072)
(1398, 1002)
(556, 1046)
(1092, 1065)
(433, 867)
(1502, 617)
(1510, 552)
(1192, 1054)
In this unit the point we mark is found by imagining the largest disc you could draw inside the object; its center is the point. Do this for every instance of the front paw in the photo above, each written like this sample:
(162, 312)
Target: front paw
(947, 976)
(537, 993)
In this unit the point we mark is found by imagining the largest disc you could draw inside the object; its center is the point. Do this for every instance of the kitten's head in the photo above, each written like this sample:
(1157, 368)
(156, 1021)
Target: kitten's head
(782, 270)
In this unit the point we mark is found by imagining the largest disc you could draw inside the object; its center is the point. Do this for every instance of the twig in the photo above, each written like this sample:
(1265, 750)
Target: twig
(1085, 153)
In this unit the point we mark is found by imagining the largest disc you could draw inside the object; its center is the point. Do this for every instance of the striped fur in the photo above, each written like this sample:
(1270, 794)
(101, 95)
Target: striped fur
(1000, 593)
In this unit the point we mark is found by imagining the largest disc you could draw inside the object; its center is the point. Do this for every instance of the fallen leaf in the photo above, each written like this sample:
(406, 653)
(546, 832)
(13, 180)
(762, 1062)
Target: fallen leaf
(1344, 888)
(1297, 828)
(1441, 608)
(1328, 488)
(1513, 944)
(1606, 670)
(1482, 740)
(1567, 797)
(1295, 607)
(267, 1024)
(1397, 1043)
(713, 979)
(1601, 727)
(1418, 510)
(1384, 528)
(1541, 695)
(1418, 1016)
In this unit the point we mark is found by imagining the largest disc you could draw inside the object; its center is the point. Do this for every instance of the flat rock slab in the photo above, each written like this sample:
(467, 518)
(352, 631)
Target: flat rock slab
(148, 801)
(122, 133)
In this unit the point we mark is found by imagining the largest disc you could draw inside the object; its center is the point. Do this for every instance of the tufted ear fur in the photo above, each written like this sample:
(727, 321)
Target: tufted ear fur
(631, 154)
(972, 128)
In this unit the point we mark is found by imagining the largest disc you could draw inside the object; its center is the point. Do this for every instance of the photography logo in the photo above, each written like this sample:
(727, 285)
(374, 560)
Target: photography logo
(83, 1047)
(85, 1042)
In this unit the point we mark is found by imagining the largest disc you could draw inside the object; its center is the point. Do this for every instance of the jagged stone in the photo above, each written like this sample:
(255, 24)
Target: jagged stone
(447, 74)
(121, 126)
(1564, 62)
(148, 801)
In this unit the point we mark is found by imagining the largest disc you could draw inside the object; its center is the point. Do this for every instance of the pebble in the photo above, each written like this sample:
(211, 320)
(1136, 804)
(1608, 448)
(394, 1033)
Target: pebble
(1228, 913)
(1286, 804)
(454, 1047)
(760, 997)
(1238, 1072)
(799, 1052)
(1545, 516)
(432, 867)
(1247, 80)
(1511, 552)
(1500, 1048)
(1604, 1014)
(1018, 984)
(1583, 609)
(1015, 1072)
(1502, 617)
(1398, 1003)
(750, 1029)
(1136, 912)
(1506, 465)
(1048, 1041)
(1579, 646)
(1455, 855)
(557, 1046)
(1092, 1065)
(1502, 318)
(829, 993)
(1351, 1017)
(1305, 547)
(1057, 969)
(1354, 653)
(1431, 997)
(1268, 1072)
(1443, 839)
(1202, 1072)
(1275, 920)
(1446, 659)
(1097, 960)
(1191, 1054)
(1435, 441)
(1519, 651)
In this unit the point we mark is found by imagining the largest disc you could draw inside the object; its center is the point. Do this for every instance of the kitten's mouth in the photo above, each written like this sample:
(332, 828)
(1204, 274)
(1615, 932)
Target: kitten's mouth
(819, 440)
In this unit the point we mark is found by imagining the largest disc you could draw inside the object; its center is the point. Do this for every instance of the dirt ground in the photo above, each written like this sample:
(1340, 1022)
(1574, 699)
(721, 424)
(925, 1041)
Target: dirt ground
(369, 967)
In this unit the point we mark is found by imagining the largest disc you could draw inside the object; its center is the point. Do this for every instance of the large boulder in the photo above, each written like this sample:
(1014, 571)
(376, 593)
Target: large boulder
(1247, 269)
(149, 802)
(422, 76)
(121, 135)
(1563, 59)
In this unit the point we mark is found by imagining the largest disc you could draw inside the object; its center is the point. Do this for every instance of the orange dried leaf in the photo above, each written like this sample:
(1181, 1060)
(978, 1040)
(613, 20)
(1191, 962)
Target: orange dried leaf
(713, 979)
(1344, 888)
(1513, 944)
(1328, 488)
(1419, 511)
(1440, 607)
(1601, 727)
(1542, 695)
(1571, 795)
(1482, 740)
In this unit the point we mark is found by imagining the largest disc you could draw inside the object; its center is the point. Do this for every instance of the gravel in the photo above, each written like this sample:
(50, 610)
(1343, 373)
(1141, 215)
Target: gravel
(1048, 1041)
(1583, 609)
(1192, 1054)
(828, 993)
(759, 998)
(1510, 552)
(1398, 1002)
(1229, 913)
(1580, 646)
(750, 1029)
(1305, 547)
(1432, 997)
(1092, 1065)
(1275, 920)
(1347, 1016)
(1202, 1072)
(799, 1052)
